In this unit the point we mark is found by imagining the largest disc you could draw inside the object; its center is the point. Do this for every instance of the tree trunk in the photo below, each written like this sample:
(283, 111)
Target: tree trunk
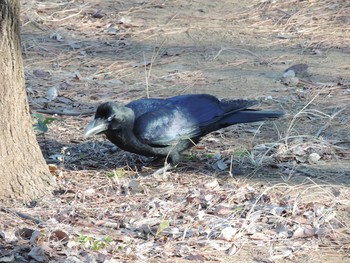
(23, 171)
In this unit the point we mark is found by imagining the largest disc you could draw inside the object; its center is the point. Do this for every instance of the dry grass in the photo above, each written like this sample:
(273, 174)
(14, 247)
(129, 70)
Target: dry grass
(322, 24)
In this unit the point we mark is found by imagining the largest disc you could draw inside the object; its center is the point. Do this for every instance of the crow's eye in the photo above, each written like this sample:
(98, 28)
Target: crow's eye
(110, 118)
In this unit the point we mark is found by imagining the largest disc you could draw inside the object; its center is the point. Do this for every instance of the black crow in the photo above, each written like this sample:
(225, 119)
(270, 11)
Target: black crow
(166, 127)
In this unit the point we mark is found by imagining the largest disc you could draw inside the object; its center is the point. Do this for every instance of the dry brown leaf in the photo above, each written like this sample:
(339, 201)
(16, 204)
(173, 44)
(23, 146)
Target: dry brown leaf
(52, 168)
(223, 211)
(259, 236)
(307, 231)
(40, 73)
(59, 235)
(299, 219)
(38, 254)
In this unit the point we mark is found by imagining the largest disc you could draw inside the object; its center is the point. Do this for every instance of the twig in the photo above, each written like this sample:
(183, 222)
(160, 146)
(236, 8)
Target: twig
(65, 112)
(147, 75)
(324, 127)
(9, 211)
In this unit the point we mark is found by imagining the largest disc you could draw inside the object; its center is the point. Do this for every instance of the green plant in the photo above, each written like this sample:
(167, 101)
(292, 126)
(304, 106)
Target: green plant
(42, 122)
(190, 157)
(83, 238)
(93, 243)
(241, 152)
(210, 155)
(118, 173)
(163, 225)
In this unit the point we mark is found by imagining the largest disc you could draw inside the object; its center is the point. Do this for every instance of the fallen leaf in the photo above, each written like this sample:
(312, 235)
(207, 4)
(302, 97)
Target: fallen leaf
(25, 233)
(233, 250)
(97, 14)
(38, 254)
(34, 237)
(228, 233)
(212, 185)
(59, 235)
(10, 258)
(39, 73)
(222, 211)
(52, 93)
(259, 236)
(221, 165)
(163, 225)
(307, 231)
(52, 168)
(10, 236)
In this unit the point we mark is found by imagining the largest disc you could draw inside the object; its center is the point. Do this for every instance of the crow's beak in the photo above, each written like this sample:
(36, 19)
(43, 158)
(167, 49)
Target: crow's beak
(95, 127)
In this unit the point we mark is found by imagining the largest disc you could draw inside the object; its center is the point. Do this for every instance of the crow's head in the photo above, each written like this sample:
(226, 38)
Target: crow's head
(110, 116)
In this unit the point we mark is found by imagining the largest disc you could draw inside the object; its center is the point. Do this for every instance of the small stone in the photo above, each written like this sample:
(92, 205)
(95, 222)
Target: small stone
(289, 74)
(290, 81)
(299, 70)
(314, 158)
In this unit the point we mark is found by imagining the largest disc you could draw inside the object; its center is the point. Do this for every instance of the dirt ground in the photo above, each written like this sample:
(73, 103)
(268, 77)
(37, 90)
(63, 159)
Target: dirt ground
(272, 192)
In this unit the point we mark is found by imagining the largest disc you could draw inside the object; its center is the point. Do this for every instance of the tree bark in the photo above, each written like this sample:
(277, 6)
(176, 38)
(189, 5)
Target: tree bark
(23, 171)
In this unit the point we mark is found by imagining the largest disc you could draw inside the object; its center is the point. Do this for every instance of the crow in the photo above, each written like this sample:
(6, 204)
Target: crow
(166, 127)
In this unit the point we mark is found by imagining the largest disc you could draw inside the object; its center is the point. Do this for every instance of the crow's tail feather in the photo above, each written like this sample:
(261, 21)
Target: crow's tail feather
(246, 116)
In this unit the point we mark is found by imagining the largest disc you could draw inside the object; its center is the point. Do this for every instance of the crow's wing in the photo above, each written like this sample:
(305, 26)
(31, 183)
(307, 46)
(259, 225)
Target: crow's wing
(165, 126)
(207, 109)
(142, 106)
(182, 117)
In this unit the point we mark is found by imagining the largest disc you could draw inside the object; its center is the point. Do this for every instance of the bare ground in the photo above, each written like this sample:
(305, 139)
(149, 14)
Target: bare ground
(269, 192)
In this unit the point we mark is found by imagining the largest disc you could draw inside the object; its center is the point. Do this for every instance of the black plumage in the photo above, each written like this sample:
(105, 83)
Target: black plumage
(166, 127)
